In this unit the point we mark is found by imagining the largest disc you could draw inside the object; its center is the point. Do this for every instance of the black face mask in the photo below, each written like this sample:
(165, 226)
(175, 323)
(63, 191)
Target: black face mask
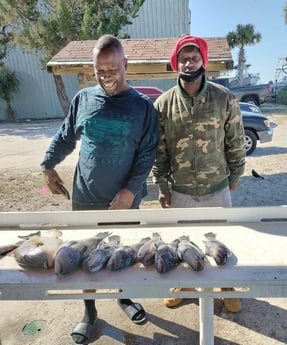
(191, 76)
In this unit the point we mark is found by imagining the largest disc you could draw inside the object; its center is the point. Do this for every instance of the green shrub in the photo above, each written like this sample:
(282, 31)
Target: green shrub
(282, 96)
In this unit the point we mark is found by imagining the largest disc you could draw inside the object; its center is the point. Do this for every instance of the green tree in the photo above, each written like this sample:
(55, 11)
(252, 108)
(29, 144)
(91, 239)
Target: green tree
(243, 36)
(48, 26)
(5, 38)
(285, 12)
(8, 80)
(8, 85)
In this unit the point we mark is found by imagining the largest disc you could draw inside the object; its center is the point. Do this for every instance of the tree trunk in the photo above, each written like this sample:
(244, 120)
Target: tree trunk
(61, 92)
(10, 112)
(241, 64)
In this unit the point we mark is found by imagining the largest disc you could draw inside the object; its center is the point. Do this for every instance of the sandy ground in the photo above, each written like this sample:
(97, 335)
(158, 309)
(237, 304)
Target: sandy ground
(261, 321)
(23, 146)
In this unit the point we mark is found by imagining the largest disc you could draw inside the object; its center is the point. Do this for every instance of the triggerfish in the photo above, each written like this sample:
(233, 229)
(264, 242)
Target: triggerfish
(39, 250)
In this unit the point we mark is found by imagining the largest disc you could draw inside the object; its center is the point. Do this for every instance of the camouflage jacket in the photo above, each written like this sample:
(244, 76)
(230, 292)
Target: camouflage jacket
(201, 147)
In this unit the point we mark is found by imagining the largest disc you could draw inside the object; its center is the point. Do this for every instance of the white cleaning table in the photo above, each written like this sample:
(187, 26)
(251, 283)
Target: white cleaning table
(258, 267)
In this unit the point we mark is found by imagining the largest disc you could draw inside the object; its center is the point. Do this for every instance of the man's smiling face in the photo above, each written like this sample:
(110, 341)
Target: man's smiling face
(110, 69)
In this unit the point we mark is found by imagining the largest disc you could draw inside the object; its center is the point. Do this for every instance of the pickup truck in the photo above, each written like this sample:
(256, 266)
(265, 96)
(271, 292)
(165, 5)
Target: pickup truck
(253, 94)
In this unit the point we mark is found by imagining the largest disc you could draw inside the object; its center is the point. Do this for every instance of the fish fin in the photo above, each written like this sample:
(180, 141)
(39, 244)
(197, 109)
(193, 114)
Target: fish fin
(210, 235)
(175, 242)
(184, 238)
(156, 235)
(101, 245)
(103, 234)
(26, 237)
(144, 240)
(54, 233)
(115, 239)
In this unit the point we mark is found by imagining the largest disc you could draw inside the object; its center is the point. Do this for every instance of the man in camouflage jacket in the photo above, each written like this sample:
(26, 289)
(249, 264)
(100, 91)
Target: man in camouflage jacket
(201, 153)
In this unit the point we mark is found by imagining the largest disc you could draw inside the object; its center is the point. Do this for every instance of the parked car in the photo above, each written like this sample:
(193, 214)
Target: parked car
(257, 127)
(151, 91)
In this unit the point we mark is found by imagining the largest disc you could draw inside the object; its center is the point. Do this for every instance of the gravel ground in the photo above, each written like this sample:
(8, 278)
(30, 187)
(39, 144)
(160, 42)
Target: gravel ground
(23, 146)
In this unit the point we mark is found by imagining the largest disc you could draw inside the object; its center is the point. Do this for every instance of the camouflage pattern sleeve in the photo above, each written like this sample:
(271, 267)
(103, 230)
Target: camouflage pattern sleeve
(234, 141)
(161, 168)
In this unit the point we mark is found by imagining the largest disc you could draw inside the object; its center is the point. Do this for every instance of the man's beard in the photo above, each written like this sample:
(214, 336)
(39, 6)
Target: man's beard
(191, 76)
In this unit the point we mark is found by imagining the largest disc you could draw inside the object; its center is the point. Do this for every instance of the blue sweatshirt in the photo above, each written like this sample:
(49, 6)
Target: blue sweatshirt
(119, 137)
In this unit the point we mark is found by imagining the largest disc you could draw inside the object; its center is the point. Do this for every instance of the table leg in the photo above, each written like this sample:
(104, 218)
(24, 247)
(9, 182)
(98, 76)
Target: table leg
(206, 310)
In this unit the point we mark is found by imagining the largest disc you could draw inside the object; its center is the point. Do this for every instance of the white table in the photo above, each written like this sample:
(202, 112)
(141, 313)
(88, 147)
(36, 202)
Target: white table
(257, 236)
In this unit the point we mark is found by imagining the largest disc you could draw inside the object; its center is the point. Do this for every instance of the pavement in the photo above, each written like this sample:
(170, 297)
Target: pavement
(261, 321)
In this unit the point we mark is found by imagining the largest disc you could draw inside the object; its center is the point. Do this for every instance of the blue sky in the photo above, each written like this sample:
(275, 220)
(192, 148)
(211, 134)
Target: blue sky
(215, 18)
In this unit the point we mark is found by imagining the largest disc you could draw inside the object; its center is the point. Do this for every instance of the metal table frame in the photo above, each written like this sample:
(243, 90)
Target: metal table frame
(255, 279)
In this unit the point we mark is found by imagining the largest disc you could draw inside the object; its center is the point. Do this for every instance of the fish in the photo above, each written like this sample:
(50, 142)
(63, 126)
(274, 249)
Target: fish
(125, 256)
(166, 257)
(190, 253)
(146, 253)
(63, 190)
(8, 248)
(216, 249)
(72, 253)
(38, 251)
(99, 257)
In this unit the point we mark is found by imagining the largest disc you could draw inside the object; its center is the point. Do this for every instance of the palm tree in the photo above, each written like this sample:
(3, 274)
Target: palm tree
(243, 36)
(8, 84)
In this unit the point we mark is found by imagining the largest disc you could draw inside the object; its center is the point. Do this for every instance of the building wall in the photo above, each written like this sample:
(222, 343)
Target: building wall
(37, 98)
(161, 18)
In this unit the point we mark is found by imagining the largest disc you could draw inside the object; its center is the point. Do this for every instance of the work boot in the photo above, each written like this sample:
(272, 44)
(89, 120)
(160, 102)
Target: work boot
(171, 301)
(231, 304)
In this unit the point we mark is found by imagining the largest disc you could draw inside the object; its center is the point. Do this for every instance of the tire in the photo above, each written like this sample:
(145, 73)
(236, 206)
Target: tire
(250, 141)
(250, 100)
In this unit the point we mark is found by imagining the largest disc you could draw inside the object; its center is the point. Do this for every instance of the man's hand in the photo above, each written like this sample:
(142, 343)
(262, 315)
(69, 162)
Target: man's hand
(165, 199)
(53, 181)
(123, 200)
(234, 185)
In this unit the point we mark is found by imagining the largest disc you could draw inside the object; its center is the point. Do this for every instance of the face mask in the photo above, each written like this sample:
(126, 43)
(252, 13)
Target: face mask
(191, 76)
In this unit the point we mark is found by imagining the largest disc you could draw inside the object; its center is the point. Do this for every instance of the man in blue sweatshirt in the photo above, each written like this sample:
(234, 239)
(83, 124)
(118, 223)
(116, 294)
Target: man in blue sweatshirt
(118, 129)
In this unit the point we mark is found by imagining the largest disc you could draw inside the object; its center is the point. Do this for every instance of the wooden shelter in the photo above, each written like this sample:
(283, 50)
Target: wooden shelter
(147, 59)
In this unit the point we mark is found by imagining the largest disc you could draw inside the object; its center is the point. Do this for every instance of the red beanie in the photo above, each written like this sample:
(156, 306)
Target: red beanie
(188, 40)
